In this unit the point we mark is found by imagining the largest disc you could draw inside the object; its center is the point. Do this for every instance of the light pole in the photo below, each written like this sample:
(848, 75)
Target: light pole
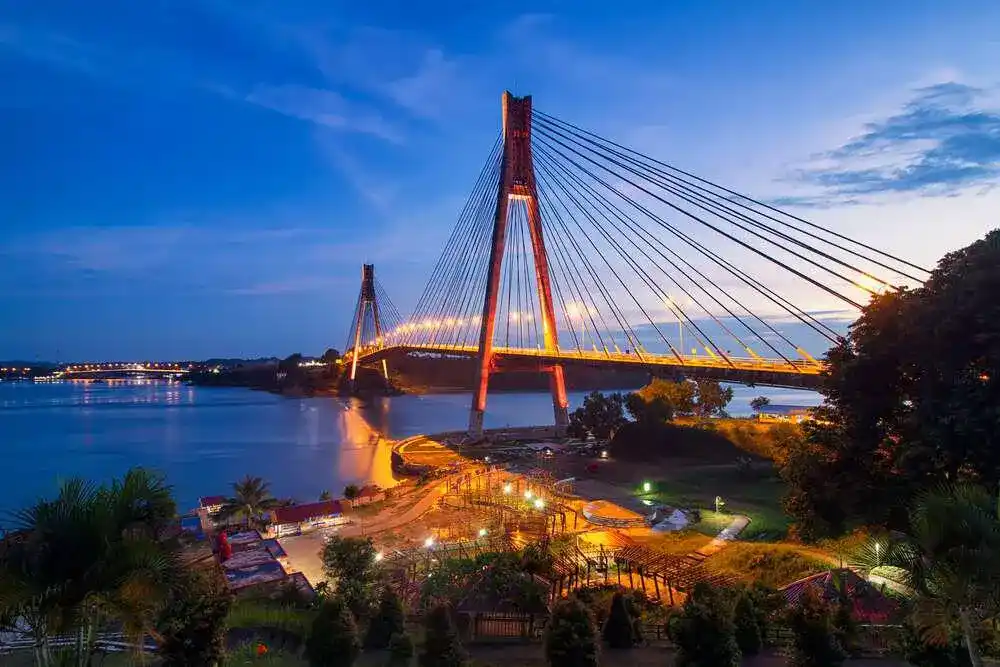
(671, 304)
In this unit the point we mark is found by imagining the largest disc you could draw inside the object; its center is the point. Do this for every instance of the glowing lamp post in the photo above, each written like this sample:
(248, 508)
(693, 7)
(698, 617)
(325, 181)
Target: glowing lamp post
(646, 487)
(429, 542)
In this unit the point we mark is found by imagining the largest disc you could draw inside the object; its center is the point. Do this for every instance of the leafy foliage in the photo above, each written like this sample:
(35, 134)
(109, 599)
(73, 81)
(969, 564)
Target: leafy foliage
(88, 557)
(571, 637)
(600, 416)
(387, 622)
(920, 652)
(912, 400)
(251, 499)
(192, 624)
(350, 563)
(333, 641)
(401, 650)
(949, 562)
(815, 643)
(759, 403)
(620, 628)
(351, 491)
(441, 645)
(704, 631)
(748, 631)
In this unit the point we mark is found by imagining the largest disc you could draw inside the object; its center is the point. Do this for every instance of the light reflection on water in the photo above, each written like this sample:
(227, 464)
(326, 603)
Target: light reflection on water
(205, 438)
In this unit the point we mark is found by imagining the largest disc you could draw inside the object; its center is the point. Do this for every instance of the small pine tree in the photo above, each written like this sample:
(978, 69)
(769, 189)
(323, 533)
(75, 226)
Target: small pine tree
(441, 645)
(704, 630)
(333, 641)
(401, 650)
(618, 630)
(814, 643)
(387, 621)
(571, 638)
(748, 634)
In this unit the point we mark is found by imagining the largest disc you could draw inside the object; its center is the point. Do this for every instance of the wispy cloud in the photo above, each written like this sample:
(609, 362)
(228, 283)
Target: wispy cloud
(945, 140)
(323, 107)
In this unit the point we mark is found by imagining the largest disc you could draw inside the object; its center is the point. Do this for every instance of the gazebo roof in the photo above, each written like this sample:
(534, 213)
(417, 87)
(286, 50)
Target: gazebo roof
(869, 603)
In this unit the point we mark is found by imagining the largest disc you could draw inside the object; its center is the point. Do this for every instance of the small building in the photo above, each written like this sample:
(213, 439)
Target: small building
(296, 519)
(795, 414)
(211, 504)
(868, 603)
(485, 614)
(368, 494)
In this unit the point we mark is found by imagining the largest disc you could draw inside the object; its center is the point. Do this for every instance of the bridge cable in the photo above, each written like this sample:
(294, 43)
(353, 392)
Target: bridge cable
(536, 114)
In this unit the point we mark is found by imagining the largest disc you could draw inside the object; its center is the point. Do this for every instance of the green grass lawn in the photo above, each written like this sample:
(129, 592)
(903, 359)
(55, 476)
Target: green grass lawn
(755, 492)
(771, 564)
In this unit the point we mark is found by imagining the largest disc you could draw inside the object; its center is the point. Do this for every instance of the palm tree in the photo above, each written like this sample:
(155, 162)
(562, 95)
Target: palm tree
(251, 498)
(948, 564)
(86, 560)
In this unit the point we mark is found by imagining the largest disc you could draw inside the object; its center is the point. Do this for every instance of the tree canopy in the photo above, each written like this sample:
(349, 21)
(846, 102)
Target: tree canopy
(912, 400)
(600, 415)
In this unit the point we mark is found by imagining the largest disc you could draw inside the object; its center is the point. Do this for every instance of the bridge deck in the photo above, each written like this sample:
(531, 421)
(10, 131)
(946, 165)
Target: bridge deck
(774, 372)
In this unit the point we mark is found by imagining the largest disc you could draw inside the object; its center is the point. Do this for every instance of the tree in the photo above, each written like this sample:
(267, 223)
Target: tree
(401, 650)
(759, 403)
(912, 397)
(814, 643)
(351, 491)
(949, 563)
(350, 563)
(649, 412)
(712, 398)
(88, 557)
(441, 646)
(619, 629)
(748, 631)
(387, 622)
(251, 499)
(330, 356)
(325, 495)
(704, 631)
(680, 396)
(333, 640)
(570, 637)
(192, 624)
(600, 416)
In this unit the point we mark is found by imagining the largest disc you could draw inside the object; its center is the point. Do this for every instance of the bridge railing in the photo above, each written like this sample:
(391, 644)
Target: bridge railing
(640, 357)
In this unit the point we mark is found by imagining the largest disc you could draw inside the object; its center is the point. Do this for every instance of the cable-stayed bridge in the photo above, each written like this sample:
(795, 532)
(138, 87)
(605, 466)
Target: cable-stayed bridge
(575, 249)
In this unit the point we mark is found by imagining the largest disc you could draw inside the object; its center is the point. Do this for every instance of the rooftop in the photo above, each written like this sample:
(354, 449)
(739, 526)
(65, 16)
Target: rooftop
(299, 513)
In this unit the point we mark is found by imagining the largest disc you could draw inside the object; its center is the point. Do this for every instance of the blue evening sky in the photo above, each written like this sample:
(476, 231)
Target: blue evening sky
(192, 178)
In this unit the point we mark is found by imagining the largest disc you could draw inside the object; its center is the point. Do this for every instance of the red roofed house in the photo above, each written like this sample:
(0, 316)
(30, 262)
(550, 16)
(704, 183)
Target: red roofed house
(295, 519)
(367, 494)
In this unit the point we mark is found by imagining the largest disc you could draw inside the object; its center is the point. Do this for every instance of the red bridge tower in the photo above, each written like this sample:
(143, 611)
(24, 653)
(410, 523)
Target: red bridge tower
(517, 183)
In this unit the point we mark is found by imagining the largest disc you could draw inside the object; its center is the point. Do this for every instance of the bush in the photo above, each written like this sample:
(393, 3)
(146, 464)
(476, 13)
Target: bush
(441, 645)
(571, 637)
(387, 622)
(401, 650)
(748, 631)
(193, 621)
(620, 628)
(814, 643)
(704, 631)
(333, 641)
(921, 653)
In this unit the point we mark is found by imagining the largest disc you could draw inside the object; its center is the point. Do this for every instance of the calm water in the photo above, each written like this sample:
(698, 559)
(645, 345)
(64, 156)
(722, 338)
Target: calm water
(205, 438)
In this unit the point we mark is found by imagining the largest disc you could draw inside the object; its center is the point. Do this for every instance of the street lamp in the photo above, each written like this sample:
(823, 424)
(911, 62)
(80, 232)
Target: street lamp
(379, 556)
(646, 487)
(527, 494)
(539, 503)
(429, 542)
(482, 532)
(507, 488)
(671, 304)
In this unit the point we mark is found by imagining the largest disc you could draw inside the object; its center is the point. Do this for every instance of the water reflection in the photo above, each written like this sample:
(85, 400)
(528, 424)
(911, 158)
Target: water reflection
(206, 438)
